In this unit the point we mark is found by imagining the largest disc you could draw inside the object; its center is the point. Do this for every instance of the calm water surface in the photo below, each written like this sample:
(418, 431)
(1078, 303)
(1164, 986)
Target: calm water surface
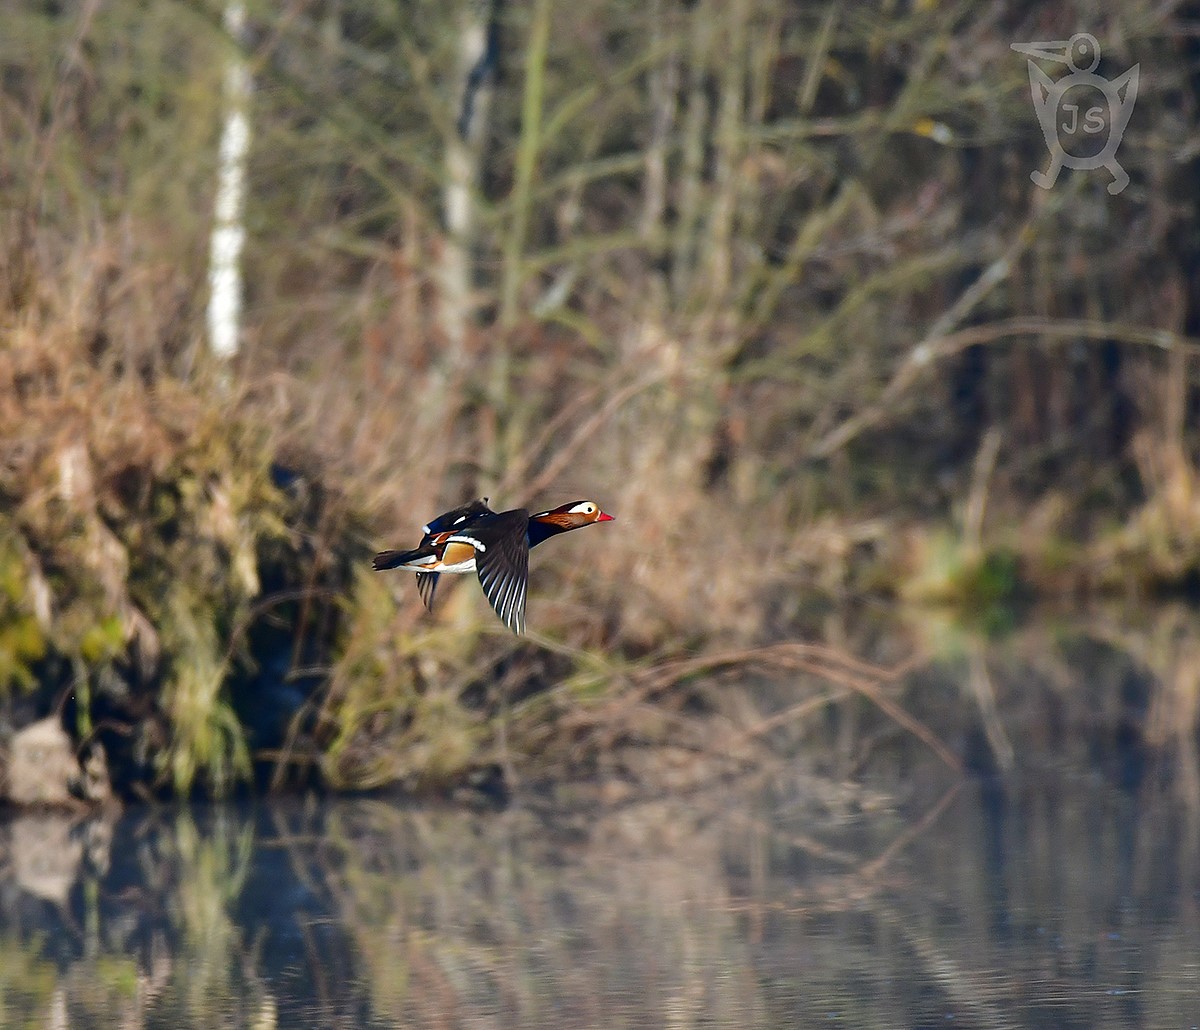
(1059, 887)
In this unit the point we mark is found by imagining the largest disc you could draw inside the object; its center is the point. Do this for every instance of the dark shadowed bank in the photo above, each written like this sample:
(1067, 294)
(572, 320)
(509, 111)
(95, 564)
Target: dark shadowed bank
(770, 281)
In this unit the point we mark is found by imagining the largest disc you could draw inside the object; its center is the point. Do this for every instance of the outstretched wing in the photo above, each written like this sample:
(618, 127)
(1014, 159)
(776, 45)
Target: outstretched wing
(426, 585)
(504, 575)
(502, 563)
(432, 547)
(456, 517)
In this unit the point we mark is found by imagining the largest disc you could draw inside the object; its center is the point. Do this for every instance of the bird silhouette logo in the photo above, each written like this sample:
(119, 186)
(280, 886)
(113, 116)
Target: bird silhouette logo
(1083, 115)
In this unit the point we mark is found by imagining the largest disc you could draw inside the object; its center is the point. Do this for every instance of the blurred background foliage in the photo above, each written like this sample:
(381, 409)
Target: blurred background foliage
(769, 280)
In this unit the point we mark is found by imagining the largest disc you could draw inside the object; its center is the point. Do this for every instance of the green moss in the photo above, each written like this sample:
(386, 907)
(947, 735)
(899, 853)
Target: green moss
(22, 643)
(982, 588)
(103, 641)
(994, 578)
(22, 639)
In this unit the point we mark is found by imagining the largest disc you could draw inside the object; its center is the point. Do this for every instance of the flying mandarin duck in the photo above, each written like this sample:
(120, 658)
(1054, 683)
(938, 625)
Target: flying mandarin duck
(495, 545)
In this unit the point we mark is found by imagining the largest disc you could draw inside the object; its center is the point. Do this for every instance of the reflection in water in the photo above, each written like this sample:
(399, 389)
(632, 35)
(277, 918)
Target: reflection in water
(1065, 893)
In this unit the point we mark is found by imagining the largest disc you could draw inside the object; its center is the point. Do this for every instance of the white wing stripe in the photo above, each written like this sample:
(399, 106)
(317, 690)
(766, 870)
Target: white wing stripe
(518, 607)
(519, 603)
(510, 601)
(500, 598)
(506, 600)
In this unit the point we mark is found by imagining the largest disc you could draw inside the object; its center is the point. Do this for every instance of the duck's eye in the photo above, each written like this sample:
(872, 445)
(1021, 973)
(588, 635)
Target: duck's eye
(591, 509)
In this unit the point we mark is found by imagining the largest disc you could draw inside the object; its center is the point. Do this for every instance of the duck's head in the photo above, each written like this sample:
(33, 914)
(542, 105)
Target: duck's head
(573, 515)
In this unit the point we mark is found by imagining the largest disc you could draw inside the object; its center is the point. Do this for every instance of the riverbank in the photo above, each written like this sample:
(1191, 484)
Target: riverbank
(769, 282)
(186, 588)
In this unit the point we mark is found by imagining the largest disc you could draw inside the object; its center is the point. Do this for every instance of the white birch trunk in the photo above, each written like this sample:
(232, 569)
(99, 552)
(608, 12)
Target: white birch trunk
(229, 230)
(464, 152)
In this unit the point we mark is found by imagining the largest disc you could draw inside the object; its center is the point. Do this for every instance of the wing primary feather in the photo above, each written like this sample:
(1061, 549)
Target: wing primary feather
(501, 562)
(519, 604)
(504, 601)
(426, 585)
(505, 588)
(522, 588)
(514, 610)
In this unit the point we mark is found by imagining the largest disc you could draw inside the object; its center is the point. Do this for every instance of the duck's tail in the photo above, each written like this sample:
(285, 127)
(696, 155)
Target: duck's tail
(394, 559)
